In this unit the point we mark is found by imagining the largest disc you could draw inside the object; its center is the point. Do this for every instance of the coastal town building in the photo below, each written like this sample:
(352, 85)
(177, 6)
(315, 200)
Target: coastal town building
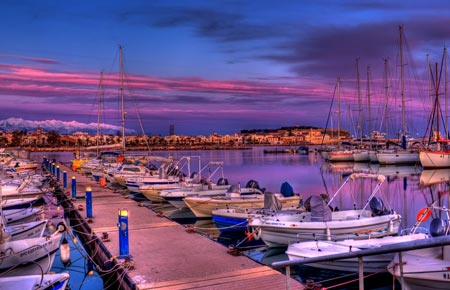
(286, 136)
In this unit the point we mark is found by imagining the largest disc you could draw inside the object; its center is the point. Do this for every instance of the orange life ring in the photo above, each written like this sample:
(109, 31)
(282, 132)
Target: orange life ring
(423, 214)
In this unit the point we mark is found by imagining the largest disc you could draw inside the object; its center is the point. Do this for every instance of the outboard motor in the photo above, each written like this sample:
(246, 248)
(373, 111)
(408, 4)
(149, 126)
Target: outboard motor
(222, 181)
(252, 184)
(286, 189)
(377, 206)
(233, 191)
(438, 227)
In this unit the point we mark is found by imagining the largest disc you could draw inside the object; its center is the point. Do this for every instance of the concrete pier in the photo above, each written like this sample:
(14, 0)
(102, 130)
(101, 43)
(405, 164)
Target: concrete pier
(164, 254)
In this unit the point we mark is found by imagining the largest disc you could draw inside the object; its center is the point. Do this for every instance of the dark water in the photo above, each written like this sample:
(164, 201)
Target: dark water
(407, 189)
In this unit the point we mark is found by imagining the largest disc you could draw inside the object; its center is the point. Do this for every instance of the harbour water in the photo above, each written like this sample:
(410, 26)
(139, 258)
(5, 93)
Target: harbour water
(407, 189)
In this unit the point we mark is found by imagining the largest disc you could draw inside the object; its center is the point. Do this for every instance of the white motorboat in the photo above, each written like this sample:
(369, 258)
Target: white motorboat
(235, 219)
(32, 256)
(176, 196)
(253, 197)
(427, 268)
(35, 282)
(22, 215)
(323, 224)
(23, 190)
(18, 202)
(24, 230)
(372, 264)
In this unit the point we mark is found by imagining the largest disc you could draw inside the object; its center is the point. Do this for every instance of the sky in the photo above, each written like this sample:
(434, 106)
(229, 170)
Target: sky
(220, 66)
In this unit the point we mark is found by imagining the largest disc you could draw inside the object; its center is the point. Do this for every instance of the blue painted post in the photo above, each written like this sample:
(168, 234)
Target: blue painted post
(53, 169)
(88, 202)
(124, 251)
(74, 187)
(57, 173)
(64, 179)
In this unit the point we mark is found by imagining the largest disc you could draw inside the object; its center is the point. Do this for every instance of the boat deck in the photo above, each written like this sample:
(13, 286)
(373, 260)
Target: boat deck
(164, 254)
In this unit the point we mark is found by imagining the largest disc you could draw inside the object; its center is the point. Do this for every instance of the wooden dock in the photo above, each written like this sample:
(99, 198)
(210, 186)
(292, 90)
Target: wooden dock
(164, 254)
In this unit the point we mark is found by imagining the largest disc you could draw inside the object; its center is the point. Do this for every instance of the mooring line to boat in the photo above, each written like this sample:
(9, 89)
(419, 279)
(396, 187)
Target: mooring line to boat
(350, 281)
(192, 227)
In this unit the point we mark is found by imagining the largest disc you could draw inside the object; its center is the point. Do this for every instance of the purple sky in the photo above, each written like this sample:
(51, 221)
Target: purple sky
(217, 66)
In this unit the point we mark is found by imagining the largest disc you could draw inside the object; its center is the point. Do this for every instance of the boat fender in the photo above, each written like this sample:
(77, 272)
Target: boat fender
(64, 249)
(256, 232)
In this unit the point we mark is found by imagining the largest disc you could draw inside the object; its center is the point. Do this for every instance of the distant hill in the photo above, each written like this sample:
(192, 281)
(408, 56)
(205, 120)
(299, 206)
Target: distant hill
(254, 131)
(61, 127)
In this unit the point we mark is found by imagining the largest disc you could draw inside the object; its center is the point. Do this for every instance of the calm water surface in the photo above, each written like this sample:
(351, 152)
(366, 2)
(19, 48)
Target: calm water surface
(407, 189)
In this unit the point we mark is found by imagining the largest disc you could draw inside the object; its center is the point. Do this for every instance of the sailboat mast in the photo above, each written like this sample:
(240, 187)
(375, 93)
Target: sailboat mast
(339, 108)
(100, 100)
(359, 101)
(437, 109)
(386, 96)
(402, 76)
(122, 99)
(368, 101)
(446, 92)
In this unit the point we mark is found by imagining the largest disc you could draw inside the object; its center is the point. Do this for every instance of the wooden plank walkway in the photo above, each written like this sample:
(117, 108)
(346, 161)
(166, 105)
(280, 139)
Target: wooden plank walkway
(165, 255)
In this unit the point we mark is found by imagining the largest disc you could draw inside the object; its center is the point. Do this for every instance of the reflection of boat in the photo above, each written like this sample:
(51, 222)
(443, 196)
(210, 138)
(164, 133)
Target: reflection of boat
(434, 176)
(322, 223)
(397, 170)
(372, 264)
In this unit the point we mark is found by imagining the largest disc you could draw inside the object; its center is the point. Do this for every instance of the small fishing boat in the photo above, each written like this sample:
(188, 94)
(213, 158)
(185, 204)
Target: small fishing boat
(372, 264)
(202, 207)
(320, 222)
(427, 268)
(35, 282)
(18, 202)
(32, 256)
(22, 215)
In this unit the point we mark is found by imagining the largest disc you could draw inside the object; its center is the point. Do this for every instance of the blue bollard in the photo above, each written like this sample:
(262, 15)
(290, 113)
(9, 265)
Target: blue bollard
(64, 179)
(88, 202)
(74, 187)
(57, 173)
(124, 251)
(53, 169)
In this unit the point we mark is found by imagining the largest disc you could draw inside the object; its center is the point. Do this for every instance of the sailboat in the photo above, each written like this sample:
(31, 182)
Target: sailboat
(439, 156)
(339, 154)
(400, 155)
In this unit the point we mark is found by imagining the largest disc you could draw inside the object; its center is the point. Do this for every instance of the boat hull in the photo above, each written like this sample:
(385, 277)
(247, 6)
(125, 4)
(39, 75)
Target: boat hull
(29, 256)
(434, 159)
(423, 269)
(352, 225)
(399, 157)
